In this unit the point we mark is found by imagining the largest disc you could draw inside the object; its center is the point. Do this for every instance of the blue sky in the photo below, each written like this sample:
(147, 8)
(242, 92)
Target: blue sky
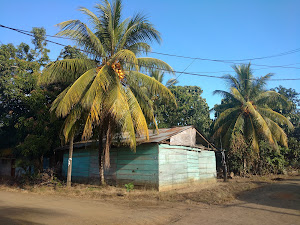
(216, 29)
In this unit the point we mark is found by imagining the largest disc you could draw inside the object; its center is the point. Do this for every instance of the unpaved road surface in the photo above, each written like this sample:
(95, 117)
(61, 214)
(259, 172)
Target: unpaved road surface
(278, 203)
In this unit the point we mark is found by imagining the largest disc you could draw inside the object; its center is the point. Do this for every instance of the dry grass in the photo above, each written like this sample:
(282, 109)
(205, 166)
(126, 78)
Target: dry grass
(216, 193)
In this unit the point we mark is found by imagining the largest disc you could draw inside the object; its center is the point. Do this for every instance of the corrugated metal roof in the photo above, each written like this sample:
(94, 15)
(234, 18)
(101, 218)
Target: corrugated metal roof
(162, 134)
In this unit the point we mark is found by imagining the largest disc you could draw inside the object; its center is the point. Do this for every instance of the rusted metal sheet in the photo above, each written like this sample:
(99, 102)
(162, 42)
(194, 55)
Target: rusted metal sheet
(163, 134)
(181, 136)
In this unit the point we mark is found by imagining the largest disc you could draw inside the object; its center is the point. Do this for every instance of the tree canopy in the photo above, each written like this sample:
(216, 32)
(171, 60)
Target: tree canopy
(191, 109)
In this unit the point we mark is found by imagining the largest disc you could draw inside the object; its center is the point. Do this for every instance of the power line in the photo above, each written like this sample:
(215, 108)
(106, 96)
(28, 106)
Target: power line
(185, 69)
(31, 35)
(187, 57)
(225, 78)
(179, 72)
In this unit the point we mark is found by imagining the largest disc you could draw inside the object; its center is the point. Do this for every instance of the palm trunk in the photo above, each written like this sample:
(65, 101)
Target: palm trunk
(104, 159)
(69, 175)
(101, 158)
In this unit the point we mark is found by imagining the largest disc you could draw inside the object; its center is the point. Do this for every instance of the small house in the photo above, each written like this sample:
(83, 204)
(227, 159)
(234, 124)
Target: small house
(171, 158)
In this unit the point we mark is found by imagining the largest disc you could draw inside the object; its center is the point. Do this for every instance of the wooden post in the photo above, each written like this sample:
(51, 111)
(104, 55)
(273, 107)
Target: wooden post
(224, 165)
(69, 175)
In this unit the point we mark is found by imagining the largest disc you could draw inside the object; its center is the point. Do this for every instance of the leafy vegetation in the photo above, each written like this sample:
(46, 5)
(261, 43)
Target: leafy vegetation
(25, 121)
(191, 109)
(129, 187)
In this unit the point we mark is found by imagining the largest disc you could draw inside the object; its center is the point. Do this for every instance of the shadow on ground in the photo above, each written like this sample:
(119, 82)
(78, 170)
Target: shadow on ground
(283, 194)
(23, 215)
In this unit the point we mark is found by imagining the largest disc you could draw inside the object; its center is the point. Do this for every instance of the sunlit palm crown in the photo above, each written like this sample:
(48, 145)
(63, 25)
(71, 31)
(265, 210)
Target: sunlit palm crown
(247, 111)
(108, 84)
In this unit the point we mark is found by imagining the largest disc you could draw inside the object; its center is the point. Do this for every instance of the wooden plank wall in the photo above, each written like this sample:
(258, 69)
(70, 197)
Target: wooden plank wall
(140, 168)
(180, 166)
(85, 167)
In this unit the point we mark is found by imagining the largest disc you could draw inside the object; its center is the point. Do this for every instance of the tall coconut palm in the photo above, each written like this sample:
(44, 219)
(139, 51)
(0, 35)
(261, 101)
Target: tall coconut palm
(246, 111)
(111, 87)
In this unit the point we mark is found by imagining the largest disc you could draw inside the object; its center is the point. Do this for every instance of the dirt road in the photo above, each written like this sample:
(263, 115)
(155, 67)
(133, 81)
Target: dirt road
(278, 203)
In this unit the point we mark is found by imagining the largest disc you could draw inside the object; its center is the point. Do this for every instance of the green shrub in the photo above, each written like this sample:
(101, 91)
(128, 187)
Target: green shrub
(129, 187)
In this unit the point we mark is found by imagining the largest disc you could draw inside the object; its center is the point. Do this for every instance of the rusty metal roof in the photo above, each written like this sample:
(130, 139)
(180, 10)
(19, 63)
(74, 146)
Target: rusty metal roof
(162, 134)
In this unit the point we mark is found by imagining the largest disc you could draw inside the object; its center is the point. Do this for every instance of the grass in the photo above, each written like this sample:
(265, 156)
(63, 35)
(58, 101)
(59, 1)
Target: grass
(216, 193)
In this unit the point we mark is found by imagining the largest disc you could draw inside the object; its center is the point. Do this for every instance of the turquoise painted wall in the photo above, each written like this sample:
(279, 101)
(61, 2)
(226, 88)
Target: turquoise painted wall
(140, 167)
(152, 164)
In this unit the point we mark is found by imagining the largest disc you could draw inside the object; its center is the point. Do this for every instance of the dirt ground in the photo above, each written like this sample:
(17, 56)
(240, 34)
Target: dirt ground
(276, 203)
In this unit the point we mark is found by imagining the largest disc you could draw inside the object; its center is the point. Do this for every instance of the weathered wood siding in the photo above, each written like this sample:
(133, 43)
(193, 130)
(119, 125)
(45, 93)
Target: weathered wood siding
(140, 168)
(162, 166)
(180, 166)
(187, 138)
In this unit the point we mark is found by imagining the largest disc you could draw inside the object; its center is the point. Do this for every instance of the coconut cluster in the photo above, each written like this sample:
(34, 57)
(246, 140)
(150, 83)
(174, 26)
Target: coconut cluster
(117, 68)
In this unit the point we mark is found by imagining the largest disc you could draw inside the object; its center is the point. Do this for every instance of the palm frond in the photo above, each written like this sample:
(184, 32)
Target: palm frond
(127, 57)
(117, 105)
(224, 115)
(84, 37)
(137, 115)
(232, 81)
(171, 82)
(144, 101)
(58, 99)
(269, 97)
(239, 124)
(224, 94)
(154, 86)
(139, 30)
(261, 125)
(99, 85)
(275, 116)
(150, 64)
(237, 95)
(69, 123)
(259, 84)
(93, 19)
(252, 136)
(75, 93)
(139, 48)
(65, 71)
(277, 132)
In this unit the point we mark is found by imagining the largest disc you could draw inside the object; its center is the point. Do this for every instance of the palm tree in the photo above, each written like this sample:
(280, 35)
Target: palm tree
(113, 87)
(246, 111)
